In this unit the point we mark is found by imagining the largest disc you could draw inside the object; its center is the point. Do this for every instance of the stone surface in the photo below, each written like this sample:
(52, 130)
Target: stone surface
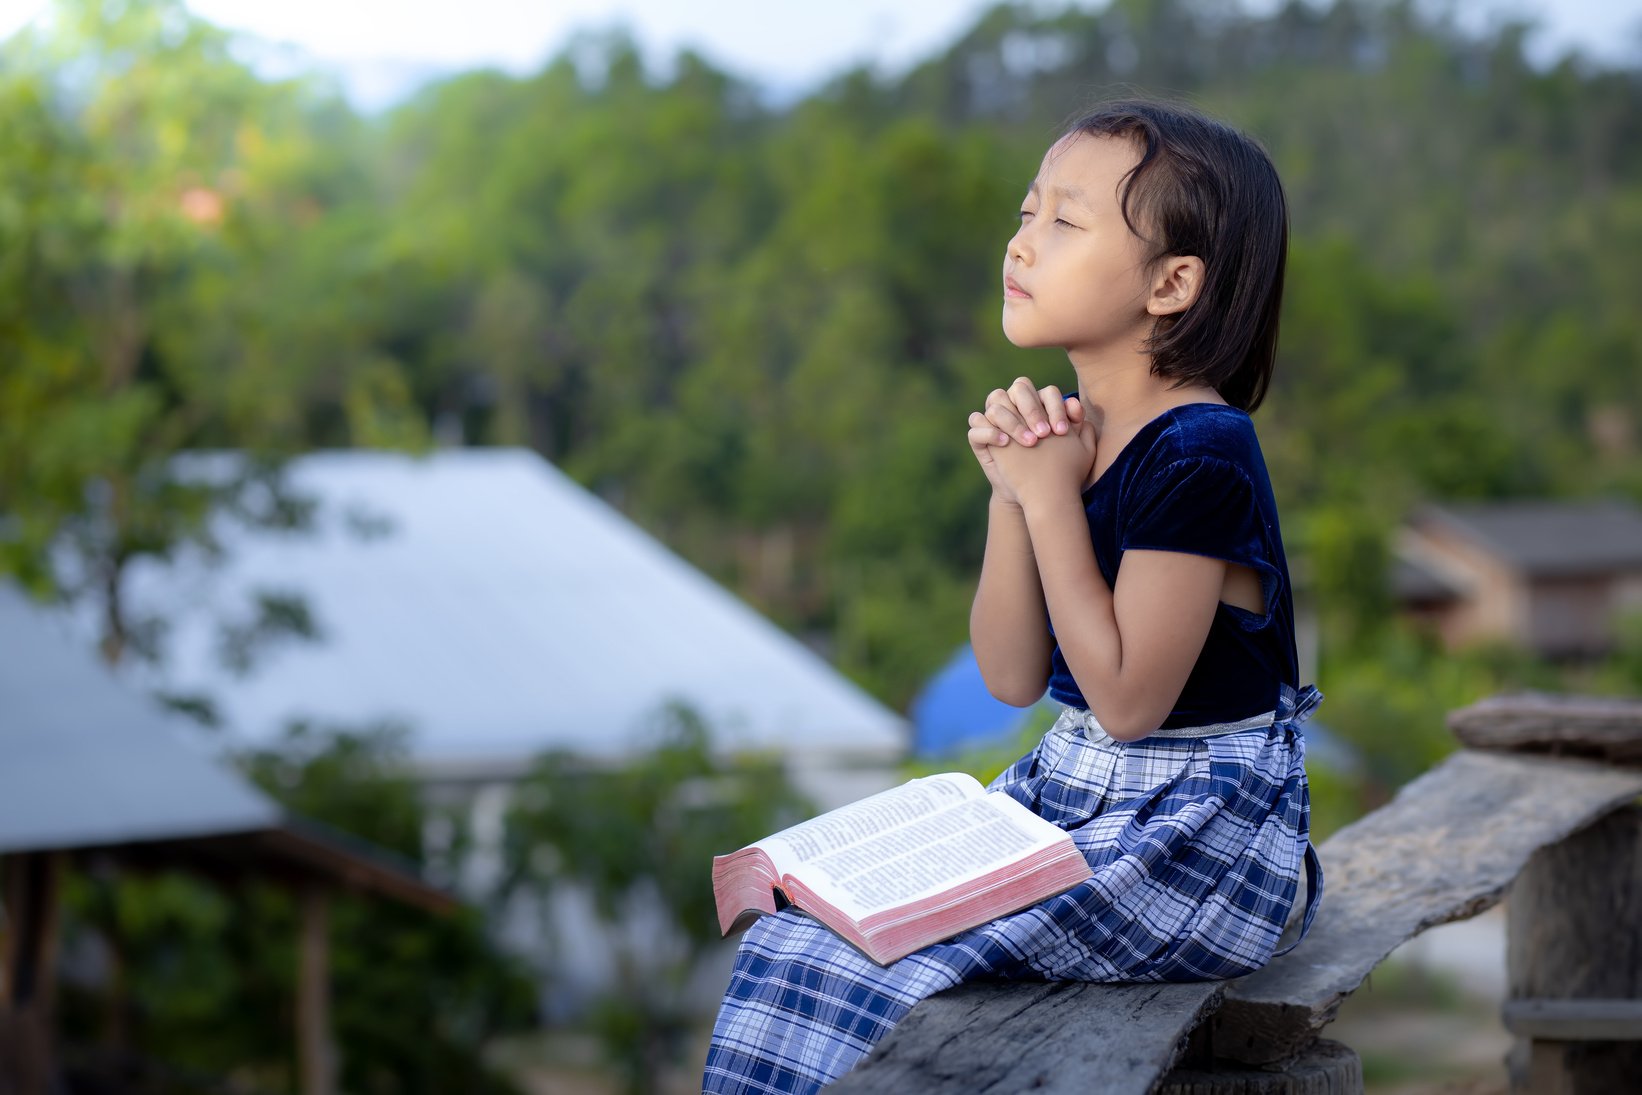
(1054, 1039)
(1445, 848)
(1604, 729)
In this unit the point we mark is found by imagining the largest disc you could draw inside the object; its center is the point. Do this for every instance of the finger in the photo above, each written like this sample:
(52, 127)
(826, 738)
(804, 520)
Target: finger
(1029, 405)
(1002, 415)
(982, 432)
(984, 437)
(1074, 410)
(1054, 408)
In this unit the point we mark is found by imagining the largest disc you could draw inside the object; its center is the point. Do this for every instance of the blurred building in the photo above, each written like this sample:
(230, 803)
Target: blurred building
(1551, 577)
(95, 773)
(495, 609)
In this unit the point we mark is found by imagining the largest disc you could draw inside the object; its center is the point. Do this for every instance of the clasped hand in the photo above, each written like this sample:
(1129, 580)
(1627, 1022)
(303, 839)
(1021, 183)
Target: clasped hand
(1032, 443)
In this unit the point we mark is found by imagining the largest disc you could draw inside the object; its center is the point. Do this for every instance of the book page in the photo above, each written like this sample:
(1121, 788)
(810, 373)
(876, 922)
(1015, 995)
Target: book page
(871, 817)
(930, 855)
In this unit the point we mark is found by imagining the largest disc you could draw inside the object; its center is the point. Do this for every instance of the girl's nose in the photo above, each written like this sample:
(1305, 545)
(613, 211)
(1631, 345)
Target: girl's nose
(1017, 248)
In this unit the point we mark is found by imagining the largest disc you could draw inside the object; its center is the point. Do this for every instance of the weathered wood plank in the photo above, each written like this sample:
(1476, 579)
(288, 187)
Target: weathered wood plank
(26, 1061)
(1572, 1068)
(1327, 1068)
(1054, 1039)
(1606, 729)
(1572, 953)
(1574, 1020)
(1444, 849)
(30, 918)
(1574, 916)
(315, 1051)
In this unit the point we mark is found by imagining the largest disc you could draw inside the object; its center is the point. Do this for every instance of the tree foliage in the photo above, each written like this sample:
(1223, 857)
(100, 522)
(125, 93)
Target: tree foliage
(758, 329)
(637, 840)
(170, 227)
(754, 328)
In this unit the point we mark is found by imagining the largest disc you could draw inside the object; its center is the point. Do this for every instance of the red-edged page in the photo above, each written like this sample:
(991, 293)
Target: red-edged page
(911, 866)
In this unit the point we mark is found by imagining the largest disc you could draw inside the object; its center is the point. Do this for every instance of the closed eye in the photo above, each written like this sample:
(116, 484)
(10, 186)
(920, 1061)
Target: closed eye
(1023, 214)
(1065, 223)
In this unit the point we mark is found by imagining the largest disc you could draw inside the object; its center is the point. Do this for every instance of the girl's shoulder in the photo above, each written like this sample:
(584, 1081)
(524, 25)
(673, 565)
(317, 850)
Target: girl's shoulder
(1198, 484)
(1205, 430)
(1187, 438)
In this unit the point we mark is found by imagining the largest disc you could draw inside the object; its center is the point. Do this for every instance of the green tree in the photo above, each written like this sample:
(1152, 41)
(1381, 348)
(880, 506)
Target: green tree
(166, 220)
(638, 839)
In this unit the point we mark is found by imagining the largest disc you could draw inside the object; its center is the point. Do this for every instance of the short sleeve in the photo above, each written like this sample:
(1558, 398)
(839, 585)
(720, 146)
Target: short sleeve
(1202, 505)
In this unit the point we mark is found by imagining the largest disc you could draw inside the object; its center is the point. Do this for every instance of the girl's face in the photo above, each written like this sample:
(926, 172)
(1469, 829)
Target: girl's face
(1074, 275)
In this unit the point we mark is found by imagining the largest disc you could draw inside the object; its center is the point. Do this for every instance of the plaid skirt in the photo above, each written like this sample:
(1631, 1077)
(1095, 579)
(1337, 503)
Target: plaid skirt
(1196, 837)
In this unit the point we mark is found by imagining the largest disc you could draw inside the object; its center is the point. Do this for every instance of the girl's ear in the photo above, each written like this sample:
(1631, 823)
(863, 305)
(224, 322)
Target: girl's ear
(1179, 280)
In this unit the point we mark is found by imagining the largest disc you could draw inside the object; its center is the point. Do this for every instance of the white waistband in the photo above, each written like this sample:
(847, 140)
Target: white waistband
(1077, 716)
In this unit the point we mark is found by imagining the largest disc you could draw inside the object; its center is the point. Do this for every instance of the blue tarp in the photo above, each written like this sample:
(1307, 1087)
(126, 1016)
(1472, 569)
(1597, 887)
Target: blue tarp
(954, 711)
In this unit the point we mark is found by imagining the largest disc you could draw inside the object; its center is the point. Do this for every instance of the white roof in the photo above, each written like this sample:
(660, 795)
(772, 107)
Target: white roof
(85, 762)
(505, 610)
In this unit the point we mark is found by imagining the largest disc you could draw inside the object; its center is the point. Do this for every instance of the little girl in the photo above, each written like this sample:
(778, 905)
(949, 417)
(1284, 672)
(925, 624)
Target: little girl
(1134, 568)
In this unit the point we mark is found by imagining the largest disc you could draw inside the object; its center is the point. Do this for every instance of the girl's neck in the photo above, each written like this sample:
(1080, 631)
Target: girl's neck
(1121, 396)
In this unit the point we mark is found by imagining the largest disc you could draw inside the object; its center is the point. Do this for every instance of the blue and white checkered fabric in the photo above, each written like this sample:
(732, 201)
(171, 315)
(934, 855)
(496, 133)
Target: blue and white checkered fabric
(1196, 844)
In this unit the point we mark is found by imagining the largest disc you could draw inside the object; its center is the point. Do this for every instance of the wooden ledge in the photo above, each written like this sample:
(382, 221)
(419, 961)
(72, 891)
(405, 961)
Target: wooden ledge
(1538, 722)
(1060, 1038)
(1444, 849)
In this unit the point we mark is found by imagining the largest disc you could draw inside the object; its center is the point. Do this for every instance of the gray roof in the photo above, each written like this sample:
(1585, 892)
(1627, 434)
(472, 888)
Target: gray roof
(497, 609)
(1550, 539)
(1413, 581)
(84, 761)
(88, 762)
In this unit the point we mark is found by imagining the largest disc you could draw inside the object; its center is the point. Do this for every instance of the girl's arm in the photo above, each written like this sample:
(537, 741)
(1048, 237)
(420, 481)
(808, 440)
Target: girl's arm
(1006, 623)
(1130, 648)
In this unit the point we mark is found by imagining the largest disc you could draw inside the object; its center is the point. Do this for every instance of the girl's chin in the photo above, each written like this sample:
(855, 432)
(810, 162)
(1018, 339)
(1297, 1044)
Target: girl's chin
(1026, 340)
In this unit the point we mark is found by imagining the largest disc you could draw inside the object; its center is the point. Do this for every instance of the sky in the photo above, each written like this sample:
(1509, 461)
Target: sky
(381, 49)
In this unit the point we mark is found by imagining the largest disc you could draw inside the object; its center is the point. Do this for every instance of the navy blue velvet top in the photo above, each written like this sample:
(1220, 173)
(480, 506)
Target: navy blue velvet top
(1193, 479)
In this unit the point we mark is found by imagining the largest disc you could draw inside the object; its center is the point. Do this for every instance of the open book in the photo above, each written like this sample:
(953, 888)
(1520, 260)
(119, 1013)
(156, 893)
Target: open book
(904, 868)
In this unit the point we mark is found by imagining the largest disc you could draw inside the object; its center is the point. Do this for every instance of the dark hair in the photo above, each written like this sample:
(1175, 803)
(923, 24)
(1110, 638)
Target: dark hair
(1202, 188)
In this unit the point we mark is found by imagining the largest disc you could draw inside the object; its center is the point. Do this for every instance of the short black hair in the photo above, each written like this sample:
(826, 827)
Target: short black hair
(1203, 188)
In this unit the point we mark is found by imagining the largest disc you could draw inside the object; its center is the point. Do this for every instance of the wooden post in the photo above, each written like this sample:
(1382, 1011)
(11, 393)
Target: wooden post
(315, 1051)
(29, 963)
(1574, 962)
